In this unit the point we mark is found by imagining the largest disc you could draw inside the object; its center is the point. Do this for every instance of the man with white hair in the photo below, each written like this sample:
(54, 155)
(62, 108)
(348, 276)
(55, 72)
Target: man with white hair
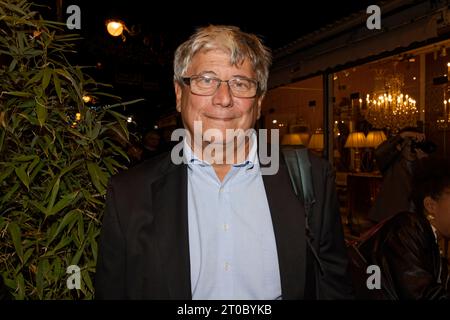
(214, 226)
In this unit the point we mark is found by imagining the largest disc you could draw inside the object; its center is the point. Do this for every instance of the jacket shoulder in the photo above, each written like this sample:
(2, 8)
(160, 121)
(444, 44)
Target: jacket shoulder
(143, 173)
(403, 228)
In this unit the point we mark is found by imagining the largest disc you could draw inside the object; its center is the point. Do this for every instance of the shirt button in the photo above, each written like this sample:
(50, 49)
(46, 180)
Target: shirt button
(226, 227)
(227, 266)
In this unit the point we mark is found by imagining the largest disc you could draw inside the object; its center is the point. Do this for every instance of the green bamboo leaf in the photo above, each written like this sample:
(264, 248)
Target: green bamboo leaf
(17, 93)
(39, 206)
(58, 270)
(53, 195)
(87, 279)
(46, 78)
(6, 173)
(35, 79)
(96, 130)
(75, 85)
(33, 165)
(42, 270)
(37, 170)
(40, 280)
(41, 112)
(27, 255)
(118, 150)
(14, 8)
(68, 218)
(30, 119)
(94, 248)
(96, 176)
(20, 283)
(121, 119)
(21, 40)
(12, 65)
(27, 104)
(106, 95)
(80, 226)
(77, 256)
(76, 133)
(71, 167)
(57, 84)
(64, 242)
(16, 236)
(24, 158)
(22, 175)
(109, 166)
(122, 104)
(10, 284)
(7, 196)
(64, 202)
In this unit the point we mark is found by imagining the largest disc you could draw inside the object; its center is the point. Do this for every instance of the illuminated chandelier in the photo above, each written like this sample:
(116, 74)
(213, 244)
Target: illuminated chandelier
(390, 107)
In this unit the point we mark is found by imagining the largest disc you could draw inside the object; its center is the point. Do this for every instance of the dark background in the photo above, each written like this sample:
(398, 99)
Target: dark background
(141, 66)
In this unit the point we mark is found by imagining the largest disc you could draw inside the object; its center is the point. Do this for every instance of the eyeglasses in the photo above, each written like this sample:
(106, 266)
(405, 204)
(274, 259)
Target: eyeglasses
(207, 86)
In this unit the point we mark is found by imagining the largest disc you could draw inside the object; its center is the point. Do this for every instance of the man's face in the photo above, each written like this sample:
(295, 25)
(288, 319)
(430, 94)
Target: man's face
(221, 110)
(440, 209)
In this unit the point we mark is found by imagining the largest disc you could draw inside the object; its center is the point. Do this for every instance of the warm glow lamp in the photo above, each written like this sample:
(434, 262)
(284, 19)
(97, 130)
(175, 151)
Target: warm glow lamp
(316, 141)
(356, 140)
(115, 27)
(291, 139)
(375, 138)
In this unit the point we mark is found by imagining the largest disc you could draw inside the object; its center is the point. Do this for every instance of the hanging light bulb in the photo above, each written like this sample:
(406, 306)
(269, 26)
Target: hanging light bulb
(115, 27)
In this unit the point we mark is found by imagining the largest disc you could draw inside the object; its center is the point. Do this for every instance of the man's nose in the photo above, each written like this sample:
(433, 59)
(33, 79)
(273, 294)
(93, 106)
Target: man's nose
(223, 96)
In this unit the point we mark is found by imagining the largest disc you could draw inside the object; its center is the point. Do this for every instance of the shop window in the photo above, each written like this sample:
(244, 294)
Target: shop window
(297, 111)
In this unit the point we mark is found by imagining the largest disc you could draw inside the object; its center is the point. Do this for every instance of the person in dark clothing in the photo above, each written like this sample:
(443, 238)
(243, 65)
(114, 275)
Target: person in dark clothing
(151, 144)
(406, 246)
(395, 158)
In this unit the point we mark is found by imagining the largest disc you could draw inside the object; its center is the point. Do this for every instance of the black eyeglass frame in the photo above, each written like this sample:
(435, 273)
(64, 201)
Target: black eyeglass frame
(187, 81)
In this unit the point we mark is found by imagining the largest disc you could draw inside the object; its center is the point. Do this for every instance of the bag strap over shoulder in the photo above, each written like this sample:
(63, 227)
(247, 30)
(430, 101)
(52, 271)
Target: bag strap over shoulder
(300, 173)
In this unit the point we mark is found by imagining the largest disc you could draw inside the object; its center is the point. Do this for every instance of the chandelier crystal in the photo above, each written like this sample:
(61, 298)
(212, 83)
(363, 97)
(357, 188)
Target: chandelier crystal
(390, 107)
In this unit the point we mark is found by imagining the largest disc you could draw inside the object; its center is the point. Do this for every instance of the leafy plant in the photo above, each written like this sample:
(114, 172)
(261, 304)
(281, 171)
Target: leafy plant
(54, 164)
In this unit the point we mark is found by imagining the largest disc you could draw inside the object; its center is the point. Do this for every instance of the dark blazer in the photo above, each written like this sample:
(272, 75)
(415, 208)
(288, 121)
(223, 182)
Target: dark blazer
(144, 249)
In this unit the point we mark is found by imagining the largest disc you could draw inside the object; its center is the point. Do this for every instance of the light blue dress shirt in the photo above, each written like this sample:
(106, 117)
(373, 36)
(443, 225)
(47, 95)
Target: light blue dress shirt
(232, 245)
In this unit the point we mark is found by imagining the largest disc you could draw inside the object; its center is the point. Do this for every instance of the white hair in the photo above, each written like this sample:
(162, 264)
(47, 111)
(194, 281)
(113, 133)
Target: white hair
(239, 44)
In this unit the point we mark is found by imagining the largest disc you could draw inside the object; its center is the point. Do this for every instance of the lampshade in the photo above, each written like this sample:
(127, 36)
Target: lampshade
(375, 138)
(356, 140)
(291, 139)
(316, 141)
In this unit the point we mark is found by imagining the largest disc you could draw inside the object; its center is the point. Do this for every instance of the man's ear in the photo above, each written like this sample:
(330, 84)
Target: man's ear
(178, 94)
(258, 106)
(430, 205)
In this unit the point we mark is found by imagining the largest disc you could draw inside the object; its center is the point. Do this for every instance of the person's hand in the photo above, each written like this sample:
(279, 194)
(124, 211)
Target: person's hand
(417, 136)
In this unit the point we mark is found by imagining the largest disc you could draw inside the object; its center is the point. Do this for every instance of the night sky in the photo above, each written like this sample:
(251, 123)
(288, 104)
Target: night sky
(142, 65)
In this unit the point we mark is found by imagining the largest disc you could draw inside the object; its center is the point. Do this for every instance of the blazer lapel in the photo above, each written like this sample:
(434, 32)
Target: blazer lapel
(288, 218)
(169, 198)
